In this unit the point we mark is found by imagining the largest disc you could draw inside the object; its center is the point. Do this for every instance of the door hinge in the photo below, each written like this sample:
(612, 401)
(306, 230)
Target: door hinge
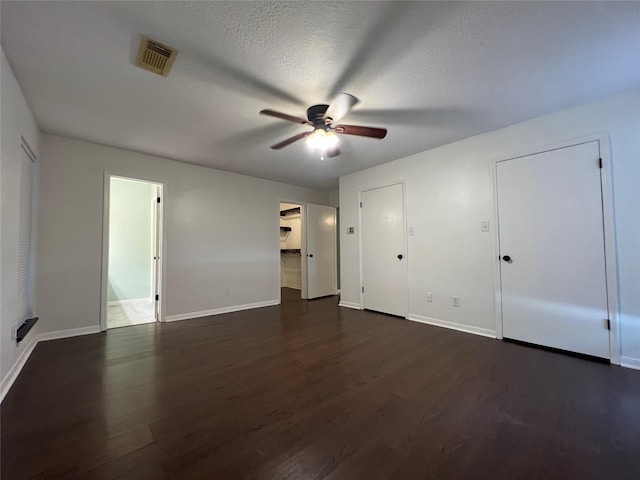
(360, 204)
(362, 289)
(600, 162)
(607, 323)
(158, 199)
(157, 297)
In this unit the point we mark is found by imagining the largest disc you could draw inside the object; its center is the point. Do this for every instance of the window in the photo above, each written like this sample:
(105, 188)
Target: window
(25, 274)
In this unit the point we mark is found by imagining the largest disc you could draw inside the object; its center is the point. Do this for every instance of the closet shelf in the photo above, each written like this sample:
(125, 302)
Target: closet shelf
(290, 250)
(290, 211)
(285, 229)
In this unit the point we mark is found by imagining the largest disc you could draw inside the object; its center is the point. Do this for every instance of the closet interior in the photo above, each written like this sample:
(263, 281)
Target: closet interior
(290, 246)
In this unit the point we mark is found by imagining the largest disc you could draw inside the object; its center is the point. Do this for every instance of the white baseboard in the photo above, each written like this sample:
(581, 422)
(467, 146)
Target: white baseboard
(485, 332)
(13, 373)
(8, 380)
(114, 303)
(219, 311)
(630, 362)
(350, 305)
(72, 332)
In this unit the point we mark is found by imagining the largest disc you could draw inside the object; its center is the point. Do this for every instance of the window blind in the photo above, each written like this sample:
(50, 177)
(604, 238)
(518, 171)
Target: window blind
(25, 221)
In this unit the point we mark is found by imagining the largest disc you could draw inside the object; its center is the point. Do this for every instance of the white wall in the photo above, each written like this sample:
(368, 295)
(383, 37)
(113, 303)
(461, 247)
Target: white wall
(130, 239)
(17, 121)
(449, 193)
(222, 231)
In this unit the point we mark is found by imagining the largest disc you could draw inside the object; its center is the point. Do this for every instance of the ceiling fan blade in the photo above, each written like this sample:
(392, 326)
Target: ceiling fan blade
(334, 152)
(342, 104)
(361, 131)
(284, 116)
(289, 141)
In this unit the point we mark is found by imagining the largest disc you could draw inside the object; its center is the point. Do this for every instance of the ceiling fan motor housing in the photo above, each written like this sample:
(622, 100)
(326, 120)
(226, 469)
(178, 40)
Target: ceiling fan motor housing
(315, 114)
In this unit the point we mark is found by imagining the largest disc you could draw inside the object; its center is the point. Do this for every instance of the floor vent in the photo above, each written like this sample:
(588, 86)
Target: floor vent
(155, 57)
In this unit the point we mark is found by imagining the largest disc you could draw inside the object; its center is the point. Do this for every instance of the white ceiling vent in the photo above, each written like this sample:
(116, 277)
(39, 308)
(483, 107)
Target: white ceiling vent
(155, 57)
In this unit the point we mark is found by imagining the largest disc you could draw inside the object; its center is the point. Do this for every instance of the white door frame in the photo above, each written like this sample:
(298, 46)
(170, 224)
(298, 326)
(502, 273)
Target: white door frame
(162, 237)
(405, 241)
(611, 266)
(303, 249)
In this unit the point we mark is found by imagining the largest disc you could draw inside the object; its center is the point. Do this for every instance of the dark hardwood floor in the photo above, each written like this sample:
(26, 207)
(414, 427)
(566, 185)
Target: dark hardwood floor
(307, 390)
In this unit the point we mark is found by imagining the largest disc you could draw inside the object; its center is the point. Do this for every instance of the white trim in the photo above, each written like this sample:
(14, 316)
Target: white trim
(295, 287)
(13, 373)
(356, 306)
(219, 311)
(162, 239)
(485, 332)
(114, 303)
(630, 362)
(611, 270)
(104, 274)
(72, 332)
(497, 276)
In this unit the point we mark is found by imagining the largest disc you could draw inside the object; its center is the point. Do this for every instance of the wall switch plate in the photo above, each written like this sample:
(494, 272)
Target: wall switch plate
(429, 297)
(484, 226)
(351, 230)
(411, 231)
(227, 291)
(455, 301)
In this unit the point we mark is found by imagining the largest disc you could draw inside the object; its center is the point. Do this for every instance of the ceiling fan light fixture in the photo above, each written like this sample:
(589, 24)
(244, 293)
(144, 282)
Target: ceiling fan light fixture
(322, 139)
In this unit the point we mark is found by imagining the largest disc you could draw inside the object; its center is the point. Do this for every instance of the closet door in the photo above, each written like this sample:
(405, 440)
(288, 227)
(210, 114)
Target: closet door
(384, 267)
(554, 289)
(321, 251)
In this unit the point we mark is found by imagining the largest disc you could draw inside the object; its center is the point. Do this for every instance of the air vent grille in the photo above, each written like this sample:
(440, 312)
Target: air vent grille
(155, 57)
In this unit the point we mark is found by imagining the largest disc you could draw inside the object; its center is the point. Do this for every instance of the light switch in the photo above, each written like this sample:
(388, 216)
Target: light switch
(484, 226)
(411, 231)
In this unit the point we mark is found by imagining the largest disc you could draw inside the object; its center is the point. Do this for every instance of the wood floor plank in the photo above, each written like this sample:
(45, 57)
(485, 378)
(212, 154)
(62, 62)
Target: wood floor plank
(307, 390)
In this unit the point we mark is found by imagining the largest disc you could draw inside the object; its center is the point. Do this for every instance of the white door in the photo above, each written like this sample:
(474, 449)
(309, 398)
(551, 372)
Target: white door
(552, 264)
(155, 264)
(321, 250)
(384, 266)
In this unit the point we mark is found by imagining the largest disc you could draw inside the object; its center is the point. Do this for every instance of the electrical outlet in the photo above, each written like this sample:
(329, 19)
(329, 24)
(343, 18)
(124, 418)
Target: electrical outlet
(227, 291)
(429, 297)
(455, 301)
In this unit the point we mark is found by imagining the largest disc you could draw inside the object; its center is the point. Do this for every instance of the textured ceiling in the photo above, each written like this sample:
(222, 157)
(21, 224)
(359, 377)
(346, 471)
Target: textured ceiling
(431, 72)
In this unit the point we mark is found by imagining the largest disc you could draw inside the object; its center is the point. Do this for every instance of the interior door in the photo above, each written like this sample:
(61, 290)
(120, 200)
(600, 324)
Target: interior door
(552, 264)
(384, 267)
(321, 250)
(155, 264)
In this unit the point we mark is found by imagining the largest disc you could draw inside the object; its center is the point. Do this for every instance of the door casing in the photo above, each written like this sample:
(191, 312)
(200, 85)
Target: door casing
(161, 239)
(608, 227)
(404, 233)
(304, 292)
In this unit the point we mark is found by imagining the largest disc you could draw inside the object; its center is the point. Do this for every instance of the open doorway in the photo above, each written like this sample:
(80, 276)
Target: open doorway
(133, 225)
(307, 251)
(291, 275)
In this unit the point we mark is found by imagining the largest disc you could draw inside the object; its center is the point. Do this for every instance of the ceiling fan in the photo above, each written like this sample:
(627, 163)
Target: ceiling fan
(324, 120)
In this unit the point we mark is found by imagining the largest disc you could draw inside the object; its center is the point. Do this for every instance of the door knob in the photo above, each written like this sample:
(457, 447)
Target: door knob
(507, 258)
(400, 257)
